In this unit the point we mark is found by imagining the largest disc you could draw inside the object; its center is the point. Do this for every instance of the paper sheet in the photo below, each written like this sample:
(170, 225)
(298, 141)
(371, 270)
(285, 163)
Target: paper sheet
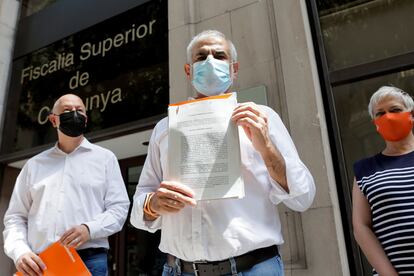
(204, 148)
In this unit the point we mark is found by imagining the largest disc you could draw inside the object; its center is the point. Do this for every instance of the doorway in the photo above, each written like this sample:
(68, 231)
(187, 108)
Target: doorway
(133, 251)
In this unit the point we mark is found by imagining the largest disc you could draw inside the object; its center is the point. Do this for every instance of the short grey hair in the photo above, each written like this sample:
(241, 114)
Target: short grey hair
(207, 34)
(387, 91)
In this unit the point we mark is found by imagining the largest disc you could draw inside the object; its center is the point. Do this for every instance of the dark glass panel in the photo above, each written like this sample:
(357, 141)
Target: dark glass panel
(30, 7)
(119, 67)
(356, 32)
(142, 254)
(358, 133)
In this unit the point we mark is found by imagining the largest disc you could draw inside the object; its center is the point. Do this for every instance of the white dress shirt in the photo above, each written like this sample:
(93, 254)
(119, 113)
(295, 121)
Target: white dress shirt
(56, 191)
(219, 229)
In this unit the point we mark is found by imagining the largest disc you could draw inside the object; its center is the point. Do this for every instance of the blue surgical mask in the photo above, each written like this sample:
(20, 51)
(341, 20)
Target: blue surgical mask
(211, 76)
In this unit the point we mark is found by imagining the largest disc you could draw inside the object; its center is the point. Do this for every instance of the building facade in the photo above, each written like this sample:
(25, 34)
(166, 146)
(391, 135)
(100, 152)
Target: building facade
(315, 62)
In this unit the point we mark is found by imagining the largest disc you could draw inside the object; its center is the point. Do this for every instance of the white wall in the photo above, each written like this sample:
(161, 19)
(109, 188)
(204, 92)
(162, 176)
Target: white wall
(8, 18)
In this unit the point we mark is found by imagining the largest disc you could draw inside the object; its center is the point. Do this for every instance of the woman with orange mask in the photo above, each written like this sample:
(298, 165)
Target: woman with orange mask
(383, 191)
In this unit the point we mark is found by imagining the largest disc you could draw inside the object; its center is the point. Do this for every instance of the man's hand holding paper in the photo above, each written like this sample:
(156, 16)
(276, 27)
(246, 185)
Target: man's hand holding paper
(171, 197)
(254, 122)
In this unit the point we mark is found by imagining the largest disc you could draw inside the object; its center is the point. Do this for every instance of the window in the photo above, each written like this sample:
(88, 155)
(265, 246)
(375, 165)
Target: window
(364, 31)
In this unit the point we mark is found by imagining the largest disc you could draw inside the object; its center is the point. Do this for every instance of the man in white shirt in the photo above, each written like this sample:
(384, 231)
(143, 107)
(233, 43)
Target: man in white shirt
(227, 236)
(73, 193)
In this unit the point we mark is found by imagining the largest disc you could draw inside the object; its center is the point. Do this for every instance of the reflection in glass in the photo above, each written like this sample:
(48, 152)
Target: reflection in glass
(358, 135)
(361, 31)
(142, 254)
(30, 7)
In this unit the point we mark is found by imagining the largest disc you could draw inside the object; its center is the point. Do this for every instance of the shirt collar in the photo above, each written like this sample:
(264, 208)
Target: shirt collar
(84, 144)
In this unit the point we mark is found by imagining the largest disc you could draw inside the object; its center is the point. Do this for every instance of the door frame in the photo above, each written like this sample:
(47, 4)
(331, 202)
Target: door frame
(117, 241)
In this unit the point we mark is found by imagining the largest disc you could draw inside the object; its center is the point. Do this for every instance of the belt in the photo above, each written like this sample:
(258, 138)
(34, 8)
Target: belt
(243, 262)
(87, 252)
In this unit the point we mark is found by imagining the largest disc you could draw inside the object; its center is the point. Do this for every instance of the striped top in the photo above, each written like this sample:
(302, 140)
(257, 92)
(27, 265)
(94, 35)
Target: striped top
(388, 184)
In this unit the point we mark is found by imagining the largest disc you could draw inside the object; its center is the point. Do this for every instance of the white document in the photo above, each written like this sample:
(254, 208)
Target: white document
(204, 147)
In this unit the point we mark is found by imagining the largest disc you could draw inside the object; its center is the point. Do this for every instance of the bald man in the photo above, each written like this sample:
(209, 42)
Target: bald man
(73, 193)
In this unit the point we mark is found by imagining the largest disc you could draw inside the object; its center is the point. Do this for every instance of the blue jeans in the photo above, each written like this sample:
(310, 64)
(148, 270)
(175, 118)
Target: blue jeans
(97, 264)
(269, 267)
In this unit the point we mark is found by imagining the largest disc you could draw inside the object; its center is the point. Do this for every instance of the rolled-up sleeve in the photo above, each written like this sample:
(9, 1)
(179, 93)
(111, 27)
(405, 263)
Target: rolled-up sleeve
(137, 215)
(299, 179)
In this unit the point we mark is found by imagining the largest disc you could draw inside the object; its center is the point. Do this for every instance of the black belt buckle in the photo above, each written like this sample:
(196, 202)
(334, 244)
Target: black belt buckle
(195, 267)
(243, 262)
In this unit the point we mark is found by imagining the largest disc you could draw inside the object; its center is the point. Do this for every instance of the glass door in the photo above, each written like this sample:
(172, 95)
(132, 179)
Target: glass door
(135, 252)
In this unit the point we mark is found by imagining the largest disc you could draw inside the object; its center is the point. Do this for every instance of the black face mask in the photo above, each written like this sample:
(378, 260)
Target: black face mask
(72, 123)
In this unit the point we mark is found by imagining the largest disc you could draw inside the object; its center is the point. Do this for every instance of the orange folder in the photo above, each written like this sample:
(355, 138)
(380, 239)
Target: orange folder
(221, 96)
(62, 261)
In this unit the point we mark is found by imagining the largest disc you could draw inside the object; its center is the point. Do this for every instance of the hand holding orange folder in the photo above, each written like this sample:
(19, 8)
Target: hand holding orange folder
(62, 261)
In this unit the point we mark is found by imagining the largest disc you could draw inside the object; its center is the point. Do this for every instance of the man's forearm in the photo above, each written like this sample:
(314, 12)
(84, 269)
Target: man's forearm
(275, 164)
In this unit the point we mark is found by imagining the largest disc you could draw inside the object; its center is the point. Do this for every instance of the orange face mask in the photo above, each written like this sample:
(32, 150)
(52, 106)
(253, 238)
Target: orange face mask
(394, 126)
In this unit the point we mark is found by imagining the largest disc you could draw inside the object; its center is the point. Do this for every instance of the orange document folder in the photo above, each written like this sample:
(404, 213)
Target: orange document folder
(221, 96)
(62, 261)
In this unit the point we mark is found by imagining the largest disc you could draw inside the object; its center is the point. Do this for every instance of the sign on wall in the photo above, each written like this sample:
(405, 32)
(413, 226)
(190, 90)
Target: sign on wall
(119, 67)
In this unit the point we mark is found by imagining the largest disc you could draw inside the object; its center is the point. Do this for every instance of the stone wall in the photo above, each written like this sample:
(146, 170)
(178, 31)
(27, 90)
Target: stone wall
(275, 50)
